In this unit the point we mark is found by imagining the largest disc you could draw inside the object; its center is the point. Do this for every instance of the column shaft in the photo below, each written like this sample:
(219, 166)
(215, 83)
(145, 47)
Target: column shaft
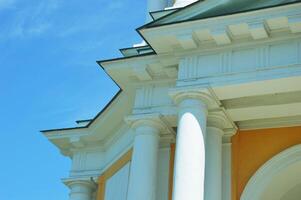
(81, 190)
(213, 185)
(144, 164)
(190, 152)
(226, 171)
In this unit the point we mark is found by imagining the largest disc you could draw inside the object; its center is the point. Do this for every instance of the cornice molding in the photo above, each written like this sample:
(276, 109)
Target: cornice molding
(255, 26)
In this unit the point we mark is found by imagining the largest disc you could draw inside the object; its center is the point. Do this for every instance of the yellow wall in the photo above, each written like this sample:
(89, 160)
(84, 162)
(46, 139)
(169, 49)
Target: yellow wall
(251, 149)
(110, 172)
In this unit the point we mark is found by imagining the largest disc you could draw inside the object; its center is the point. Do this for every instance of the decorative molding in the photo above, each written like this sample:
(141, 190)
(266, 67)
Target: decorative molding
(270, 123)
(216, 120)
(221, 37)
(142, 73)
(233, 61)
(220, 119)
(258, 31)
(84, 181)
(187, 41)
(144, 96)
(205, 95)
(152, 95)
(153, 120)
(76, 142)
(255, 25)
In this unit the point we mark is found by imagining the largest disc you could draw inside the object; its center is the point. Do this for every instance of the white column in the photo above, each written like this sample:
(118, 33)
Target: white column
(190, 151)
(182, 3)
(213, 183)
(227, 170)
(81, 190)
(142, 183)
(155, 5)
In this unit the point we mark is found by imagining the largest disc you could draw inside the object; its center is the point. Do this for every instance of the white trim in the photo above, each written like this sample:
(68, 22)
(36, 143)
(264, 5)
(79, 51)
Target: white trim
(264, 174)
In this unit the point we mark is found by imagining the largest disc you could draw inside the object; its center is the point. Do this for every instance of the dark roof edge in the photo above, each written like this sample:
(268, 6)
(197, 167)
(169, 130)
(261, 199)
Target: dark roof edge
(158, 11)
(116, 95)
(165, 16)
(83, 121)
(127, 48)
(125, 58)
(149, 25)
(107, 105)
(90, 121)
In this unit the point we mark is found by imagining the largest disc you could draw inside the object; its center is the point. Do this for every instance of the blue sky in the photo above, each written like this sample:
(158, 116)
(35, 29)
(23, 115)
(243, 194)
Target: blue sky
(49, 79)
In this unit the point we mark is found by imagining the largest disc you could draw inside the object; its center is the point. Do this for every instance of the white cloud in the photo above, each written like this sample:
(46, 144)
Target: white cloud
(32, 20)
(93, 21)
(37, 19)
(5, 4)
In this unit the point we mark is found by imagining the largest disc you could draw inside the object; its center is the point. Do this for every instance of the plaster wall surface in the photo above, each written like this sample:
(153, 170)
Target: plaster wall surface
(116, 186)
(93, 161)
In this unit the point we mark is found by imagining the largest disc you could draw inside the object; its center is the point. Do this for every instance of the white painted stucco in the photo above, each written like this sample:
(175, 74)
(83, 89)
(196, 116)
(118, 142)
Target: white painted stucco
(208, 78)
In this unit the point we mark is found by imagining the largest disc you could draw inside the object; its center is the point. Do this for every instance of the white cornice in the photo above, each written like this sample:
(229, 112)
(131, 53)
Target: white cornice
(224, 30)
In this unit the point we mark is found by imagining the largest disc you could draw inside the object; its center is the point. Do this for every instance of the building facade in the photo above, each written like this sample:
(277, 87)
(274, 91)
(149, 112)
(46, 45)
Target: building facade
(209, 108)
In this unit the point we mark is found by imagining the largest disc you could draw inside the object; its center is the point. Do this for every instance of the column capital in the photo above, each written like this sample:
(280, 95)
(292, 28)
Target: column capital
(153, 120)
(219, 119)
(83, 182)
(227, 139)
(204, 95)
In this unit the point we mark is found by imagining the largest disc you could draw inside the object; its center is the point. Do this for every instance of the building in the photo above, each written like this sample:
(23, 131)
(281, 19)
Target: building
(209, 108)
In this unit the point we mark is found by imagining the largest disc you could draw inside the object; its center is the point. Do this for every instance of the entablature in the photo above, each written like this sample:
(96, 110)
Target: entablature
(225, 30)
(141, 69)
(270, 60)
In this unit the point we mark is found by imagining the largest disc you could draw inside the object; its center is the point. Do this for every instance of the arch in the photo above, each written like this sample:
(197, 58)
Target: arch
(264, 175)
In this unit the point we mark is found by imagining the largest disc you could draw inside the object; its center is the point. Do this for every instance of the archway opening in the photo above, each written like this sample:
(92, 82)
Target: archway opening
(285, 185)
(277, 179)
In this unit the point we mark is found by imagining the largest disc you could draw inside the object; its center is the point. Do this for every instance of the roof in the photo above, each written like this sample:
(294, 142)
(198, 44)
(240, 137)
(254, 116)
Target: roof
(188, 13)
(237, 6)
(90, 121)
(197, 10)
(135, 51)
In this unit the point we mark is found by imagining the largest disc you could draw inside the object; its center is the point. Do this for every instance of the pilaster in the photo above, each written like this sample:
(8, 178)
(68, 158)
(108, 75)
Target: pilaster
(143, 177)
